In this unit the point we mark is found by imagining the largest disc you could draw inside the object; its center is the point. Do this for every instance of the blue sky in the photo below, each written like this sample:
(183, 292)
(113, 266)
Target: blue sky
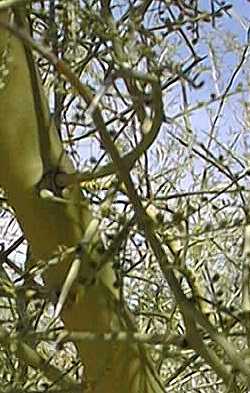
(227, 28)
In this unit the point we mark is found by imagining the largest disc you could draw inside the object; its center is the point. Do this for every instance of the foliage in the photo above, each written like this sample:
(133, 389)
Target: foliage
(160, 143)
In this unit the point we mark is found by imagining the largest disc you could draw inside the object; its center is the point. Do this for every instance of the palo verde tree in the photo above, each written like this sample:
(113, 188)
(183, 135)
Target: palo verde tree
(139, 244)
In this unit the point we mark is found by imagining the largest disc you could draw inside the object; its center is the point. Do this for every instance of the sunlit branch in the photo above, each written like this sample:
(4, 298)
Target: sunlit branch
(150, 132)
(33, 359)
(187, 308)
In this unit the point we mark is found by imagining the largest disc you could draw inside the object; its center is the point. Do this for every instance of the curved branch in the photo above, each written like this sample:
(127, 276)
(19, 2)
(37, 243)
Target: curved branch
(150, 134)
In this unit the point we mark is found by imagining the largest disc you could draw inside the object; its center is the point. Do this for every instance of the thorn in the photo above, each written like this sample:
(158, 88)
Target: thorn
(68, 283)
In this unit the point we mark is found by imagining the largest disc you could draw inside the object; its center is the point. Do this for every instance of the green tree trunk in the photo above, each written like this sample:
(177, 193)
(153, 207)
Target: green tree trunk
(29, 146)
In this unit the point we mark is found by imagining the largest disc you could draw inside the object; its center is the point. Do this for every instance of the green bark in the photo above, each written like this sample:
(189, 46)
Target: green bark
(110, 367)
